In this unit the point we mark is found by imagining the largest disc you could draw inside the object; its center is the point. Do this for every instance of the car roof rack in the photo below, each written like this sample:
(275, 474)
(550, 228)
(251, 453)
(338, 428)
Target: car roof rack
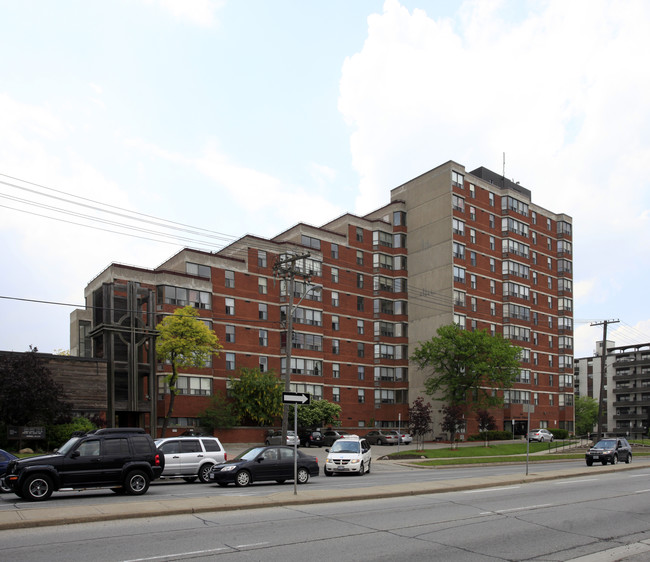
(109, 430)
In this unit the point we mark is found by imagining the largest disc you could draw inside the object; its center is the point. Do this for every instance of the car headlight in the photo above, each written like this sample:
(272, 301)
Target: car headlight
(328, 460)
(228, 468)
(354, 461)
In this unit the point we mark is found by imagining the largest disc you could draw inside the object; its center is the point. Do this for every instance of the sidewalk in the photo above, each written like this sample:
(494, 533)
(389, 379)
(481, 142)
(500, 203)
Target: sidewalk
(65, 515)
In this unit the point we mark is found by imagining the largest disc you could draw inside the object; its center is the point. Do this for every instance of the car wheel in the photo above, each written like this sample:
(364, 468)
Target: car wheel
(327, 472)
(551, 441)
(380, 442)
(37, 487)
(136, 483)
(589, 462)
(604, 462)
(362, 469)
(303, 476)
(615, 459)
(190, 479)
(204, 473)
(307, 444)
(242, 478)
(368, 469)
(4, 488)
(628, 460)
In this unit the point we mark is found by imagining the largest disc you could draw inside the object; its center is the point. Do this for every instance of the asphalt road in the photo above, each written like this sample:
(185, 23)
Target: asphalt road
(604, 515)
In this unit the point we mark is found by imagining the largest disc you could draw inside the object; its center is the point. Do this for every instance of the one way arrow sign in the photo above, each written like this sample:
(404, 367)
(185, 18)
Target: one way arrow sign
(296, 398)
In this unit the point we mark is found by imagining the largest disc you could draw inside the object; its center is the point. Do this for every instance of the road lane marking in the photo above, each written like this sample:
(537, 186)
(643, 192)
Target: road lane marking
(573, 481)
(490, 490)
(517, 509)
(250, 545)
(173, 556)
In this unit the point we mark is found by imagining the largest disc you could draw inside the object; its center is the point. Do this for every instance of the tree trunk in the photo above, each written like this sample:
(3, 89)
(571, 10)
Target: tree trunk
(172, 398)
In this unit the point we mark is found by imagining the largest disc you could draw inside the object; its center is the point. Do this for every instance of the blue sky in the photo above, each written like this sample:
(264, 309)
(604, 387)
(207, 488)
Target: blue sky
(249, 116)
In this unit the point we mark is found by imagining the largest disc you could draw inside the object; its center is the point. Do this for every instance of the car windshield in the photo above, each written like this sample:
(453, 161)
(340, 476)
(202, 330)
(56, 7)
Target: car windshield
(605, 444)
(68, 446)
(345, 447)
(249, 454)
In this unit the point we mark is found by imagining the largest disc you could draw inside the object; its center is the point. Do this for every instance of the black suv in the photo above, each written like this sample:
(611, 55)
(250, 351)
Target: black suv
(311, 438)
(612, 450)
(123, 459)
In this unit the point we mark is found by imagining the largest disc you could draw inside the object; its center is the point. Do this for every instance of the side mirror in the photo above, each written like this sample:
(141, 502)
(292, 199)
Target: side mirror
(259, 459)
(327, 450)
(75, 454)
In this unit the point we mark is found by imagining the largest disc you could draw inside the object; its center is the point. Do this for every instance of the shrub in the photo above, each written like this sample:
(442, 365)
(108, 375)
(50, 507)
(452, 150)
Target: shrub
(559, 433)
(492, 435)
(57, 435)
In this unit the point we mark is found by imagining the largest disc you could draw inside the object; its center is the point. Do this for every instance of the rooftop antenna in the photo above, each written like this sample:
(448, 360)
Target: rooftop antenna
(503, 176)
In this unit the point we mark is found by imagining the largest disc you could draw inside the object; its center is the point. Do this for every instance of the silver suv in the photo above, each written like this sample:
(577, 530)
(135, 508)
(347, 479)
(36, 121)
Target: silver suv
(190, 457)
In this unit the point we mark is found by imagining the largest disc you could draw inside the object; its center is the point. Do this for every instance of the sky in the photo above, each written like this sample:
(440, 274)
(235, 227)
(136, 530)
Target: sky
(133, 128)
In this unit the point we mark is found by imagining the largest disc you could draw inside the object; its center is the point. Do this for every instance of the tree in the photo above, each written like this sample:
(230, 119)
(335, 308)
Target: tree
(317, 414)
(257, 396)
(586, 411)
(419, 421)
(486, 422)
(29, 395)
(184, 341)
(220, 414)
(467, 365)
(453, 421)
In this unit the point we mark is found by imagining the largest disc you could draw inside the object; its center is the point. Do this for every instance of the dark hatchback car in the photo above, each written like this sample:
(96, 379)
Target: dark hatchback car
(259, 464)
(5, 457)
(311, 438)
(610, 450)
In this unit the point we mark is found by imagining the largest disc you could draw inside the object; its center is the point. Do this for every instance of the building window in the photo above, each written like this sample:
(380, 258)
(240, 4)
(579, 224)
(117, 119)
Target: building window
(264, 338)
(360, 329)
(264, 364)
(230, 307)
(492, 223)
(230, 361)
(85, 342)
(359, 234)
(491, 199)
(230, 334)
(493, 286)
(262, 286)
(458, 226)
(336, 347)
(472, 236)
(459, 274)
(310, 242)
(334, 249)
(359, 257)
(180, 296)
(263, 312)
(361, 372)
(336, 371)
(188, 386)
(230, 279)
(493, 266)
(472, 213)
(458, 203)
(360, 304)
(335, 323)
(472, 191)
(457, 179)
(361, 396)
(336, 394)
(198, 270)
(361, 350)
(335, 298)
(472, 281)
(399, 218)
(261, 258)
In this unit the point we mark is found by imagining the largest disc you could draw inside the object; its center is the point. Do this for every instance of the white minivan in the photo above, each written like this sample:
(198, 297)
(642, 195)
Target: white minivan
(348, 454)
(190, 457)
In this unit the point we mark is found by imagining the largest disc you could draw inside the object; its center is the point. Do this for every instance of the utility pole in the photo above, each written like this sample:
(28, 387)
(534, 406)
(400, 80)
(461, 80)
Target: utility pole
(603, 371)
(285, 268)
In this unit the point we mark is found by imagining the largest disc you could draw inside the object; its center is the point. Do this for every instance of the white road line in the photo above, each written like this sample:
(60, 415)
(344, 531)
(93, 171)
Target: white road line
(642, 491)
(250, 545)
(490, 490)
(574, 481)
(178, 554)
(517, 509)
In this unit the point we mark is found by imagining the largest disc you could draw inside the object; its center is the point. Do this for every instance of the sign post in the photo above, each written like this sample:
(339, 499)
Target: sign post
(296, 398)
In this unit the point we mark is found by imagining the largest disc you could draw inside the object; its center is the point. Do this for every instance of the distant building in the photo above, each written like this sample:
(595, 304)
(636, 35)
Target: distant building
(451, 246)
(626, 397)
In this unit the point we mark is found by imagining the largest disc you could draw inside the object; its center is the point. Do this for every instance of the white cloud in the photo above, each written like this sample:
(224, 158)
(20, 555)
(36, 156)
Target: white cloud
(202, 13)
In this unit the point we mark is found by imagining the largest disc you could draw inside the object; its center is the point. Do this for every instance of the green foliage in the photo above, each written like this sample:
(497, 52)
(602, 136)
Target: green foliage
(319, 413)
(220, 414)
(28, 394)
(586, 411)
(467, 365)
(57, 435)
(491, 435)
(453, 420)
(559, 433)
(257, 396)
(184, 341)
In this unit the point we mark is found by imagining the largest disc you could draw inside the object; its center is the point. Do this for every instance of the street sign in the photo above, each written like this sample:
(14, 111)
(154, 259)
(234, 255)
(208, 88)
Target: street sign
(303, 398)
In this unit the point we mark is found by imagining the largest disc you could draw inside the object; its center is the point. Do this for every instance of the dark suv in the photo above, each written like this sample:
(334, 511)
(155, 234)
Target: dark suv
(612, 450)
(311, 438)
(123, 459)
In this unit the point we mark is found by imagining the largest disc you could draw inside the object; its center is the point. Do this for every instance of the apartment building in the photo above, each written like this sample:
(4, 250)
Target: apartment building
(626, 387)
(451, 246)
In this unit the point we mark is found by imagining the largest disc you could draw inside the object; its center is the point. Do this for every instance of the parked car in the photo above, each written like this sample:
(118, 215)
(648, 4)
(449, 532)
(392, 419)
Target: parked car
(404, 438)
(382, 437)
(540, 435)
(125, 460)
(331, 435)
(190, 457)
(274, 437)
(265, 463)
(348, 454)
(5, 457)
(609, 450)
(311, 438)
